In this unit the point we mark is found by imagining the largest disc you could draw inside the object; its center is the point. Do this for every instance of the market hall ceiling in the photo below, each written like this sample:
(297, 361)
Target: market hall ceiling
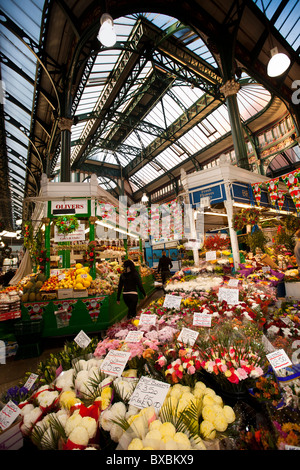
(146, 107)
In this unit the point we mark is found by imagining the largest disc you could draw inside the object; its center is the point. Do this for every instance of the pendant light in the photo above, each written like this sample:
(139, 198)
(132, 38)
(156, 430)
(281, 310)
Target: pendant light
(278, 63)
(107, 35)
(145, 198)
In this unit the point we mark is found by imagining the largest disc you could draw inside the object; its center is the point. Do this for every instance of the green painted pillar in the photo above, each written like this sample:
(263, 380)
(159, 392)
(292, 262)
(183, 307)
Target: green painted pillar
(126, 248)
(230, 89)
(47, 248)
(91, 239)
(141, 249)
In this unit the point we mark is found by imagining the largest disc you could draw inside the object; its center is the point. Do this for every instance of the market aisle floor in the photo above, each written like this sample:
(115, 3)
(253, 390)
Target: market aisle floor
(14, 370)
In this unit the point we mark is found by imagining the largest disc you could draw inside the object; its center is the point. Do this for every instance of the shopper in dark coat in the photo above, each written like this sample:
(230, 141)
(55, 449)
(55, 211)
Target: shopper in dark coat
(164, 266)
(130, 282)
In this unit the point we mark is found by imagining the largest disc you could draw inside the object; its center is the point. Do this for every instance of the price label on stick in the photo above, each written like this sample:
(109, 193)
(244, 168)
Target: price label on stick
(115, 362)
(231, 296)
(149, 392)
(82, 339)
(210, 255)
(188, 336)
(146, 319)
(8, 414)
(172, 301)
(30, 381)
(134, 336)
(202, 319)
(279, 359)
(233, 282)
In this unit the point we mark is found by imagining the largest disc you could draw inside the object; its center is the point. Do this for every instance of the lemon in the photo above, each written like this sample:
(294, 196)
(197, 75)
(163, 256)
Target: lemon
(78, 286)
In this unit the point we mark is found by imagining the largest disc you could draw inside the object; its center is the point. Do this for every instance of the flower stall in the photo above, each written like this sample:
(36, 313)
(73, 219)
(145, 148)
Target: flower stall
(211, 365)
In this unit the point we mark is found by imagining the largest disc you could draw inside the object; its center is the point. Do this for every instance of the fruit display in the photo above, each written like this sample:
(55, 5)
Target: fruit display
(82, 278)
(31, 289)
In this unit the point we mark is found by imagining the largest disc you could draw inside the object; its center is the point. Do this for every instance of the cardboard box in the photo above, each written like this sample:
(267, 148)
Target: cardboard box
(64, 294)
(78, 294)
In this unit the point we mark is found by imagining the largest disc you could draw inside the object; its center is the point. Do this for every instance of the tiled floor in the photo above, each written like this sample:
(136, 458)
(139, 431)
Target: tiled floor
(14, 371)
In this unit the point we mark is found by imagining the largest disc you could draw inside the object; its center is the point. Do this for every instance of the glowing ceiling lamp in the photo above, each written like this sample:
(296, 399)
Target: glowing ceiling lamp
(278, 63)
(145, 199)
(107, 35)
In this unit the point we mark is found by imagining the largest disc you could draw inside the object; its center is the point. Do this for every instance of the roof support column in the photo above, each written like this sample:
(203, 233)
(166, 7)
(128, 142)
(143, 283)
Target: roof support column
(65, 125)
(230, 89)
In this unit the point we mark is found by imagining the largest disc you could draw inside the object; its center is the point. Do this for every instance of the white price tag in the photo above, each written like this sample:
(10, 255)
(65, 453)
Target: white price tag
(172, 301)
(146, 319)
(8, 414)
(134, 336)
(115, 362)
(279, 359)
(233, 282)
(231, 296)
(30, 381)
(265, 269)
(202, 319)
(82, 339)
(149, 392)
(210, 255)
(188, 336)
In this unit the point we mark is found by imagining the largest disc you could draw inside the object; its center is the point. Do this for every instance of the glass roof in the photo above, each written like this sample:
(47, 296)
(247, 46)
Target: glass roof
(18, 89)
(179, 98)
(288, 21)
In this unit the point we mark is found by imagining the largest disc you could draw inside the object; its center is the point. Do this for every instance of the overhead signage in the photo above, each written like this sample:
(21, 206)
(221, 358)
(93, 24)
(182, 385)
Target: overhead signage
(214, 194)
(72, 206)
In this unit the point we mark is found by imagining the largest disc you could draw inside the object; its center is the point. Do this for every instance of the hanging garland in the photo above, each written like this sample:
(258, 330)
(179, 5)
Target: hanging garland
(245, 217)
(66, 224)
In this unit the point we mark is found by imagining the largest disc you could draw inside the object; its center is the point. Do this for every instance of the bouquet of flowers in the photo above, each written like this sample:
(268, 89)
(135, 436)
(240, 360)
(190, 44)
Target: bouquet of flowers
(176, 364)
(234, 362)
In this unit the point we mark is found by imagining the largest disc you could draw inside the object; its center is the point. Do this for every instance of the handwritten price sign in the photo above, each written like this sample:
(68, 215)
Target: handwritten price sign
(202, 319)
(82, 339)
(231, 296)
(146, 319)
(134, 336)
(8, 414)
(279, 359)
(149, 392)
(115, 362)
(172, 301)
(188, 336)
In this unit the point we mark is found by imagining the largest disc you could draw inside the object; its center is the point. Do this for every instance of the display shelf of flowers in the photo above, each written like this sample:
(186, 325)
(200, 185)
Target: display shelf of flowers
(212, 382)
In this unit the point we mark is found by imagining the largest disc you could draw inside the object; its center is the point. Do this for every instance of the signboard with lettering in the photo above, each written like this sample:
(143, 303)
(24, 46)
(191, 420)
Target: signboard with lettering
(214, 194)
(71, 206)
(78, 235)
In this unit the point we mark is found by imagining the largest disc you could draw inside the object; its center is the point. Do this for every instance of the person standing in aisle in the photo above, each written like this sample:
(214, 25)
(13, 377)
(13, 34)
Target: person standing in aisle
(297, 249)
(164, 266)
(130, 282)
